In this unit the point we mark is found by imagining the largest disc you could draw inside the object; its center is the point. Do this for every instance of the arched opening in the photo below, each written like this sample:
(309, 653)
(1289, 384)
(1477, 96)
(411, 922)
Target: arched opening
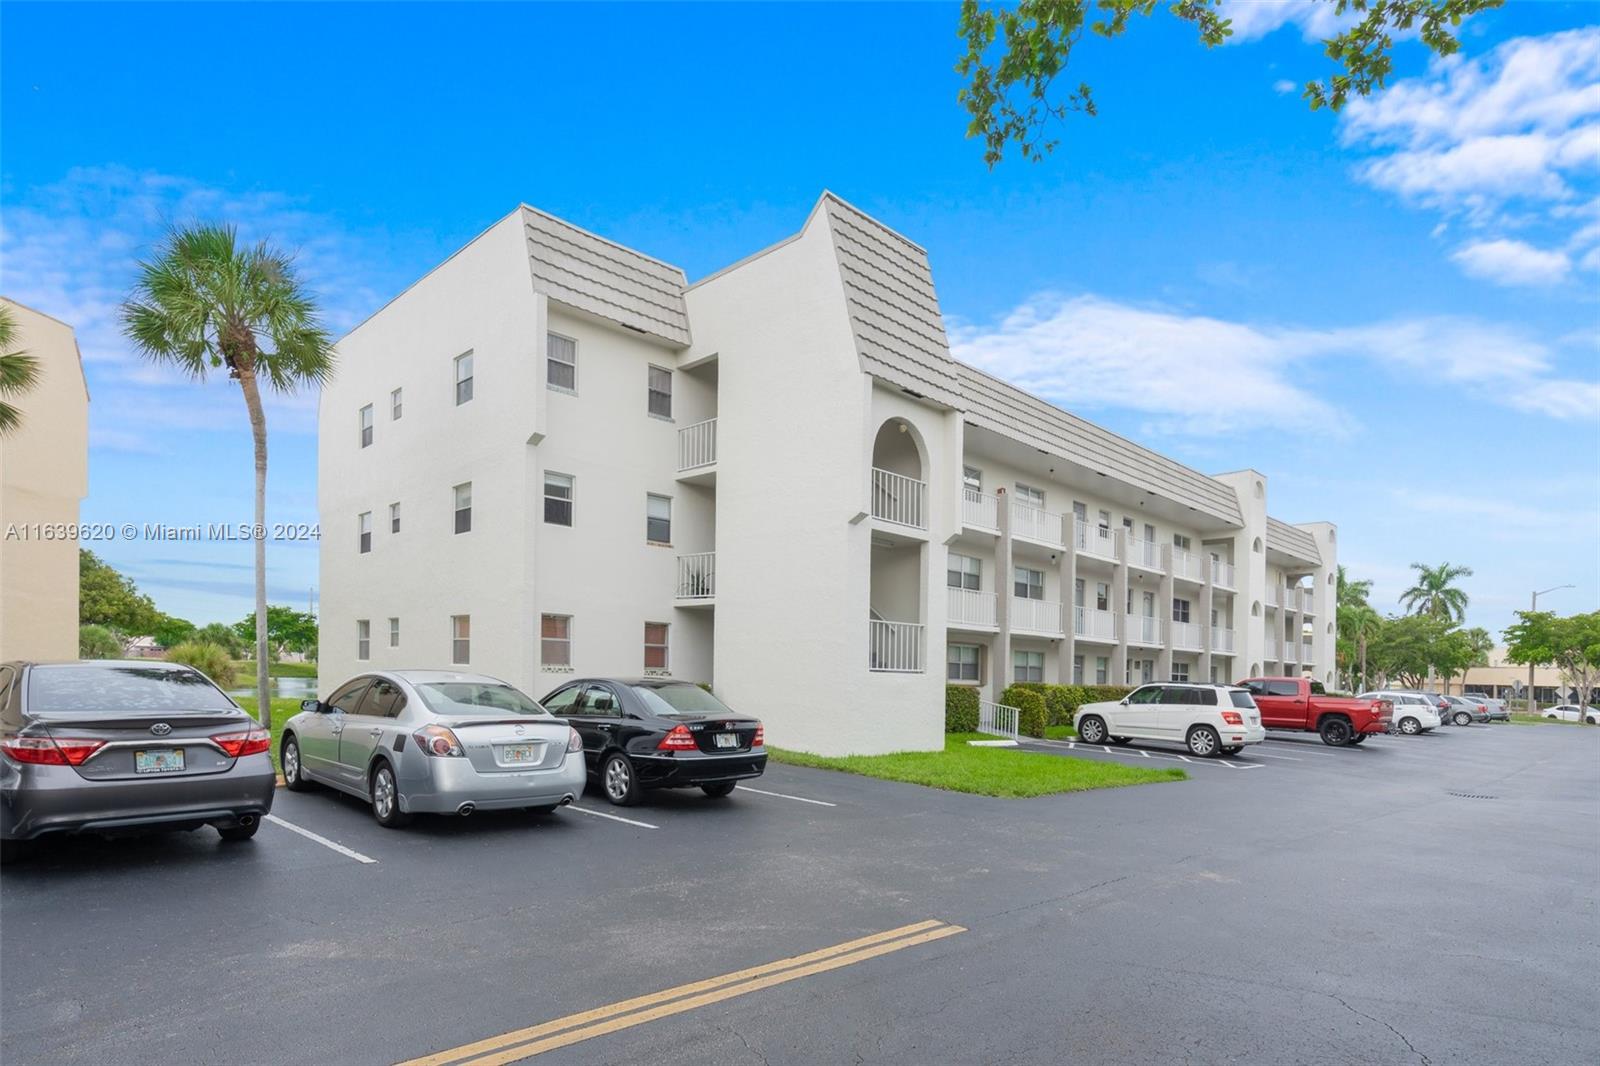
(1256, 546)
(1255, 669)
(898, 450)
(1255, 609)
(1330, 580)
(1261, 490)
(1330, 629)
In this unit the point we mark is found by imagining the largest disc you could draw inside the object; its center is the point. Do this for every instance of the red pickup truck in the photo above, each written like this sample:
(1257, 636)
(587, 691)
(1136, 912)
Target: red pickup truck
(1299, 703)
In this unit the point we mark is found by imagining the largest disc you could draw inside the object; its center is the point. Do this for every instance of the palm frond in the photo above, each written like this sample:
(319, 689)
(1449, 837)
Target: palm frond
(19, 372)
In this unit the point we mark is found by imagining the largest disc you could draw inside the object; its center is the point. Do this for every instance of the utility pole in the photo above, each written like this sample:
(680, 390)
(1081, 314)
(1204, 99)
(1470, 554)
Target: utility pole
(1533, 704)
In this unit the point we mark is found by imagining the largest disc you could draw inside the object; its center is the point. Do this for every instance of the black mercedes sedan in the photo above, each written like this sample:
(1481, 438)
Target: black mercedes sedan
(658, 733)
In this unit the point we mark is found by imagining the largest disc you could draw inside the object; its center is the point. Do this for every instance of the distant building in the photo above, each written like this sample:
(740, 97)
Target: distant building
(1505, 680)
(44, 475)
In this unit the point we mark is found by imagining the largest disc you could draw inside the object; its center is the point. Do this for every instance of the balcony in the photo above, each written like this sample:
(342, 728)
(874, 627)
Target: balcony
(1144, 553)
(1088, 624)
(1289, 599)
(1308, 601)
(1037, 524)
(1186, 566)
(1041, 617)
(1222, 641)
(1305, 651)
(1094, 540)
(697, 577)
(980, 510)
(1222, 575)
(1272, 648)
(899, 499)
(1272, 596)
(697, 446)
(971, 609)
(894, 647)
(1186, 636)
(1143, 629)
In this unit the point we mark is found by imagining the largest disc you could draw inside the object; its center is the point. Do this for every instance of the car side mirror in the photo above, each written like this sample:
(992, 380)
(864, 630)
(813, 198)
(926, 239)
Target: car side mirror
(1123, 701)
(311, 705)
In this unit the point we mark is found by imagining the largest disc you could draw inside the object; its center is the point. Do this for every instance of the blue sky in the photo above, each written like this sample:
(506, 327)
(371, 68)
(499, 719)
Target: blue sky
(1393, 313)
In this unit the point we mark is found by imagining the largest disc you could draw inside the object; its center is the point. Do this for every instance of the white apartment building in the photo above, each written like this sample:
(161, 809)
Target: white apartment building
(553, 454)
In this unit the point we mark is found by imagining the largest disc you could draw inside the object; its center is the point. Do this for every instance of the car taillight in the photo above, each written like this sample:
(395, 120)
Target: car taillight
(438, 741)
(761, 736)
(574, 741)
(45, 751)
(1233, 717)
(680, 739)
(250, 742)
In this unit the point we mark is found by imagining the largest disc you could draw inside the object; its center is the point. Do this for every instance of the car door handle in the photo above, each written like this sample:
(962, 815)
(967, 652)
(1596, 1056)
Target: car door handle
(374, 732)
(337, 730)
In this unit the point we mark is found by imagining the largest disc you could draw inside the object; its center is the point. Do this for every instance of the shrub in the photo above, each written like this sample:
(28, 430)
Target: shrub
(212, 660)
(98, 642)
(224, 636)
(1062, 701)
(960, 709)
(1031, 712)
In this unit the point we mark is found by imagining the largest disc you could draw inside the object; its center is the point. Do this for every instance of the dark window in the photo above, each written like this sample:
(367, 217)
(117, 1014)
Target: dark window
(463, 378)
(1180, 610)
(1178, 696)
(366, 426)
(348, 697)
(600, 701)
(558, 499)
(1282, 688)
(383, 700)
(463, 494)
(680, 700)
(659, 389)
(564, 702)
(561, 362)
(1317, 689)
(1148, 694)
(658, 519)
(1242, 699)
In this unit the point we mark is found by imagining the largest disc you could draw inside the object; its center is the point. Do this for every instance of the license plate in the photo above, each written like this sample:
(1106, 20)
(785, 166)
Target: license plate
(158, 761)
(727, 740)
(521, 753)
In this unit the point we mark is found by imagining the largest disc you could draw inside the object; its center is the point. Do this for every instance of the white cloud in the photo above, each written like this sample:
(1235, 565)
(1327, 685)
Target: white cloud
(1253, 19)
(1512, 262)
(1283, 86)
(1506, 143)
(1201, 376)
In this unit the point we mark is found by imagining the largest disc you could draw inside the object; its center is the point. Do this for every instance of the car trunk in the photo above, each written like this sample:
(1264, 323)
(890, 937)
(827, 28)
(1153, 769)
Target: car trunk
(706, 729)
(510, 745)
(133, 752)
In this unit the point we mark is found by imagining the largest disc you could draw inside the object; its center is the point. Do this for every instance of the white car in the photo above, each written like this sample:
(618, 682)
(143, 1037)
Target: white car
(1413, 712)
(1207, 719)
(1568, 712)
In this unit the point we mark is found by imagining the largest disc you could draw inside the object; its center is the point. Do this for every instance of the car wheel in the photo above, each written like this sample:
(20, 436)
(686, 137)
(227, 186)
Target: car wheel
(1204, 742)
(1463, 718)
(1122, 740)
(294, 774)
(718, 790)
(1092, 730)
(1410, 726)
(1335, 732)
(1357, 738)
(621, 784)
(385, 795)
(14, 850)
(235, 833)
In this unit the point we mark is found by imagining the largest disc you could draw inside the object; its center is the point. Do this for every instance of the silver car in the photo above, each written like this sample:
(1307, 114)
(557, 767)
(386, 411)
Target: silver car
(433, 742)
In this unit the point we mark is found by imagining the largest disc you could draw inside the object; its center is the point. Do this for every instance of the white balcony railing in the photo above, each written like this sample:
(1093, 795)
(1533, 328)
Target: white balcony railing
(1036, 616)
(1222, 641)
(1289, 647)
(1305, 650)
(895, 647)
(1095, 540)
(1089, 624)
(969, 607)
(979, 509)
(1186, 565)
(899, 499)
(1273, 595)
(1308, 601)
(1143, 629)
(1272, 648)
(1145, 553)
(1035, 523)
(1222, 574)
(998, 718)
(697, 445)
(697, 576)
(1289, 599)
(1186, 635)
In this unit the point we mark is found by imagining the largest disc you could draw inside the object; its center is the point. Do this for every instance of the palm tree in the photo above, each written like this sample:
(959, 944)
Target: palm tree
(19, 371)
(1357, 624)
(1435, 593)
(1351, 593)
(205, 302)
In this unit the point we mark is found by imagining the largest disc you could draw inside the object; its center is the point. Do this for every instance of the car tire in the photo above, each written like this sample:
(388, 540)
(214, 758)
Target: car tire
(1463, 718)
(294, 771)
(14, 850)
(1410, 726)
(233, 834)
(718, 790)
(1335, 732)
(1092, 730)
(1122, 740)
(1357, 739)
(383, 791)
(618, 780)
(1203, 741)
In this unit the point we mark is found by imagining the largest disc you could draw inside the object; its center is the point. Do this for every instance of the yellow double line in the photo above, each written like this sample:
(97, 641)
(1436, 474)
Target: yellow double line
(548, 1036)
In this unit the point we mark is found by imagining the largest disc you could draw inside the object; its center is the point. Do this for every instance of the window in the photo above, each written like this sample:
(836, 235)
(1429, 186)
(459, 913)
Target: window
(1180, 672)
(963, 572)
(1077, 593)
(463, 493)
(961, 662)
(1027, 666)
(658, 390)
(1105, 521)
(561, 363)
(1181, 542)
(972, 479)
(348, 698)
(383, 700)
(463, 378)
(558, 499)
(1077, 669)
(366, 426)
(364, 532)
(394, 406)
(658, 519)
(1080, 511)
(565, 702)
(555, 639)
(1102, 669)
(1029, 584)
(1102, 600)
(655, 645)
(1148, 694)
(1127, 524)
(461, 638)
(394, 632)
(1030, 495)
(1180, 610)
(363, 639)
(394, 518)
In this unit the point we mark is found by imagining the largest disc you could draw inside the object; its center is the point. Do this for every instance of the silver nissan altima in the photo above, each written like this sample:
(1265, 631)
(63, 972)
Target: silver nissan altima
(435, 742)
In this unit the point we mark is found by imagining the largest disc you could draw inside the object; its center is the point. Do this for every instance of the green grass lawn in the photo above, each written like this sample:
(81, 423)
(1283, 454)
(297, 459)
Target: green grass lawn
(1060, 732)
(1004, 772)
(1533, 719)
(282, 710)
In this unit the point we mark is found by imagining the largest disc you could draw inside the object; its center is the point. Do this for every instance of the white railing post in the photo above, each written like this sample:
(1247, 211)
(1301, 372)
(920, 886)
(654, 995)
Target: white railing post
(895, 647)
(697, 576)
(697, 445)
(898, 499)
(998, 718)
(979, 509)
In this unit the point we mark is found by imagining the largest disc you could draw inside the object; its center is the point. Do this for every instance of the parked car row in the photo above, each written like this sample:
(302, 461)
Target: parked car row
(104, 747)
(1571, 712)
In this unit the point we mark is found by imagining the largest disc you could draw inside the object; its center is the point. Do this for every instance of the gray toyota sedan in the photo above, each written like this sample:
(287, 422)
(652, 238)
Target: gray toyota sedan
(433, 741)
(99, 747)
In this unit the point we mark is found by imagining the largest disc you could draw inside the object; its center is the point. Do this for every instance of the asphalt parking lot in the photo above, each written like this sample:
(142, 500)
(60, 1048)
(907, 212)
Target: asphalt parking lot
(1308, 905)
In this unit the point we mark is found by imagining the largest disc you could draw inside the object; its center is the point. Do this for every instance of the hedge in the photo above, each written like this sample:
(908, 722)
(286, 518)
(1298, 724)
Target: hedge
(960, 709)
(210, 659)
(1032, 715)
(1062, 701)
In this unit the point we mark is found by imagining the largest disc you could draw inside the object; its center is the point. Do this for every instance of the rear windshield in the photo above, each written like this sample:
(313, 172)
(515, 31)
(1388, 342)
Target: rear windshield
(111, 690)
(457, 698)
(680, 701)
(1242, 698)
(1317, 689)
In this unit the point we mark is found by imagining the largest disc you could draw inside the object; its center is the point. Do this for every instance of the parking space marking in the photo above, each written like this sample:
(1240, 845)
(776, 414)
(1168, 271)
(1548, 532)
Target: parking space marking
(611, 817)
(782, 795)
(522, 1044)
(332, 845)
(1073, 745)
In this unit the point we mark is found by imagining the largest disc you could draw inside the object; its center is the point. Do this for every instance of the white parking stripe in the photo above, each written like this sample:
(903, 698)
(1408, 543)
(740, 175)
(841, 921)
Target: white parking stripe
(780, 795)
(611, 817)
(320, 839)
(1269, 755)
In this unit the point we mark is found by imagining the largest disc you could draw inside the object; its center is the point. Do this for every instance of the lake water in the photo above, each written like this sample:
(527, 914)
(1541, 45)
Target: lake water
(300, 688)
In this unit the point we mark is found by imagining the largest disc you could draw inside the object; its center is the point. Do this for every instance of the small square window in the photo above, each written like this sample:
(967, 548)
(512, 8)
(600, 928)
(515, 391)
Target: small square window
(1180, 671)
(655, 645)
(1180, 542)
(555, 639)
(394, 406)
(366, 426)
(1027, 666)
(558, 493)
(1029, 584)
(561, 363)
(658, 519)
(364, 532)
(363, 639)
(961, 662)
(394, 518)
(463, 378)
(1033, 497)
(1102, 669)
(963, 572)
(1180, 610)
(461, 639)
(658, 389)
(971, 479)
(394, 632)
(463, 494)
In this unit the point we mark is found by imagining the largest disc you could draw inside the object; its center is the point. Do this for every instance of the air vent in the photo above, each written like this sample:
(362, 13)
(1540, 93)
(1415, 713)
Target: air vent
(1472, 796)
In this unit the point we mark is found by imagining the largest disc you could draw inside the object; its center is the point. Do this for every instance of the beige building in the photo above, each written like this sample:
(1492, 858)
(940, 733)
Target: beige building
(1508, 680)
(44, 475)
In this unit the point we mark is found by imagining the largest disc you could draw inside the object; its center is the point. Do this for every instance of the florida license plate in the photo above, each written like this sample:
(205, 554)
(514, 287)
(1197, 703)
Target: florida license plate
(158, 761)
(727, 740)
(518, 753)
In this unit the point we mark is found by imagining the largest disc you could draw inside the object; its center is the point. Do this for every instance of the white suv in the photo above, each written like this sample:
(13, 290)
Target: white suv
(1207, 719)
(1413, 712)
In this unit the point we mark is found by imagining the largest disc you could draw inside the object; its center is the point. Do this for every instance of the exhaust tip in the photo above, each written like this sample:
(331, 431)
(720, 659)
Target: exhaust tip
(466, 809)
(566, 801)
(247, 820)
